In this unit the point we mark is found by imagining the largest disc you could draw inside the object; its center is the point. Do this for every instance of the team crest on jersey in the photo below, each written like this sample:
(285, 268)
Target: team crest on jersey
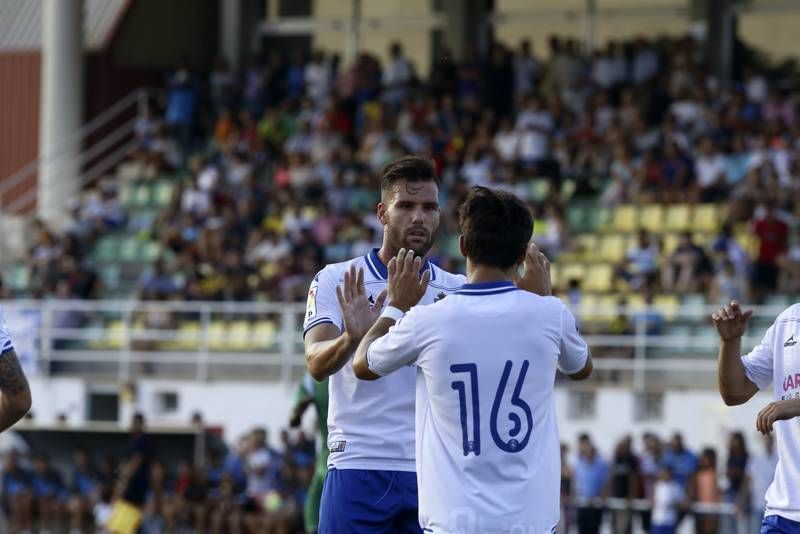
(439, 297)
(311, 303)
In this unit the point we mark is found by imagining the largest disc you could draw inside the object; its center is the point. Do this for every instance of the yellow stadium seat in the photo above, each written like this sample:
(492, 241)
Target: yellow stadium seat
(588, 244)
(217, 340)
(187, 337)
(668, 305)
(555, 275)
(264, 334)
(625, 218)
(707, 218)
(678, 218)
(635, 303)
(239, 336)
(613, 247)
(598, 278)
(589, 305)
(115, 335)
(652, 218)
(570, 271)
(670, 243)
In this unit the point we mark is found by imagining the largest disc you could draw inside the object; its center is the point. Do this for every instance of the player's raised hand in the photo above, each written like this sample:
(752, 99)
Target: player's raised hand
(357, 313)
(536, 277)
(730, 321)
(777, 411)
(405, 286)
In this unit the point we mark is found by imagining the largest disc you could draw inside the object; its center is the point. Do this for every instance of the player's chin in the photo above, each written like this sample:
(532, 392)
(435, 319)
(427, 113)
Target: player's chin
(419, 245)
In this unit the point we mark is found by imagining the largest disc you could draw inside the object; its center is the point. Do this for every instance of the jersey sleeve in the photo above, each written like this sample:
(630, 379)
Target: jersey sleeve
(5, 336)
(758, 363)
(574, 351)
(322, 305)
(394, 350)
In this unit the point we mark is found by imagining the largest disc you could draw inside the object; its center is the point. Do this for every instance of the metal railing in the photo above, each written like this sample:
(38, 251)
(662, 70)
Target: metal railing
(93, 160)
(205, 340)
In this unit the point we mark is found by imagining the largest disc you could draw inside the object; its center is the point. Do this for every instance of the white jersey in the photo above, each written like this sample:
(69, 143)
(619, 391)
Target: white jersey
(776, 360)
(5, 337)
(488, 456)
(370, 424)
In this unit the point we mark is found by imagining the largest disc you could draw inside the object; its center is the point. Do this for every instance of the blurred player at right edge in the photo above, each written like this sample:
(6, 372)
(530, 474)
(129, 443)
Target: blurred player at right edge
(775, 360)
(15, 394)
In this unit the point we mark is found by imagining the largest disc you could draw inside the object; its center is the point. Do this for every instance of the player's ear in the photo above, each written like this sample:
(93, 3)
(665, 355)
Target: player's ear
(381, 212)
(462, 245)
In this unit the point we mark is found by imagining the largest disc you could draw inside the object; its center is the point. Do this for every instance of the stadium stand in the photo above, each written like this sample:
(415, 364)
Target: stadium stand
(654, 186)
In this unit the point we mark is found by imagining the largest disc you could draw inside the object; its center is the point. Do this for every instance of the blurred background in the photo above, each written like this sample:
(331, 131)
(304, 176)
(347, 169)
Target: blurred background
(173, 174)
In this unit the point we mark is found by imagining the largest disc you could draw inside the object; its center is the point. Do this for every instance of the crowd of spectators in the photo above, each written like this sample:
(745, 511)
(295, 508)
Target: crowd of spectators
(281, 163)
(257, 487)
(251, 487)
(664, 483)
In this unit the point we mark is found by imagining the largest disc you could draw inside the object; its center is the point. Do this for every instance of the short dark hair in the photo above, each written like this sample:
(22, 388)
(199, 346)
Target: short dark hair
(409, 168)
(496, 225)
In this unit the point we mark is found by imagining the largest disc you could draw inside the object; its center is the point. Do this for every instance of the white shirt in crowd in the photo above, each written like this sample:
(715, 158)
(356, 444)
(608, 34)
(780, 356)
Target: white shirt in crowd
(488, 456)
(776, 361)
(667, 495)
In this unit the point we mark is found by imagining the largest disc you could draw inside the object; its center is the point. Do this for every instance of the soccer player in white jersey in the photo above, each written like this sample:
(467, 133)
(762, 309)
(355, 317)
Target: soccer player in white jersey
(776, 360)
(371, 484)
(15, 394)
(488, 454)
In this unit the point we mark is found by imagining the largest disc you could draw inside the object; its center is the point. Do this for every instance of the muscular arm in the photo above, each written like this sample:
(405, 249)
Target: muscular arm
(327, 350)
(734, 386)
(15, 394)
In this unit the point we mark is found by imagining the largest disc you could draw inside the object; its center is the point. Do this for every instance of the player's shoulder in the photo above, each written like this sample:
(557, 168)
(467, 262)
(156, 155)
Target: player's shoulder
(792, 313)
(335, 271)
(444, 280)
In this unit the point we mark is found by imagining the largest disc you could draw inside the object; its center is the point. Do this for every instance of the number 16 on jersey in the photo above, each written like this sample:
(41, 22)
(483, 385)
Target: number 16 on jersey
(519, 413)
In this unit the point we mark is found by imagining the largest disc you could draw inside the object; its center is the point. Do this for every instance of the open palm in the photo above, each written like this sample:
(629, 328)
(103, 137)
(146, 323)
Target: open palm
(357, 313)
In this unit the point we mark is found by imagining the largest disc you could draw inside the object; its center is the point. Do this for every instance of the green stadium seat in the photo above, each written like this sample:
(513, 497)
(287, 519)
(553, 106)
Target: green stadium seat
(142, 195)
(17, 277)
(163, 192)
(129, 249)
(577, 219)
(125, 196)
(150, 251)
(106, 249)
(597, 218)
(110, 274)
(538, 189)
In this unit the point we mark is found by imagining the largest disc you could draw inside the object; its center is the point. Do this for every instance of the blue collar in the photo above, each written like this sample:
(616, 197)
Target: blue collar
(487, 288)
(379, 271)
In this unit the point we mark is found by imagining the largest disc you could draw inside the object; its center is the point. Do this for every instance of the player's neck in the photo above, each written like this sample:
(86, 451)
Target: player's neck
(386, 253)
(481, 274)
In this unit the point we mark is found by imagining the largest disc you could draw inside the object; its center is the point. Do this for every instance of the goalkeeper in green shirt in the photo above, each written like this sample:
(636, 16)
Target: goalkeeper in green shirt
(312, 392)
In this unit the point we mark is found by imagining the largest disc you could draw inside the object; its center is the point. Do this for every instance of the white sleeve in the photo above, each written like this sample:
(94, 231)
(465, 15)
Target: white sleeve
(394, 350)
(574, 351)
(322, 306)
(758, 364)
(5, 337)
